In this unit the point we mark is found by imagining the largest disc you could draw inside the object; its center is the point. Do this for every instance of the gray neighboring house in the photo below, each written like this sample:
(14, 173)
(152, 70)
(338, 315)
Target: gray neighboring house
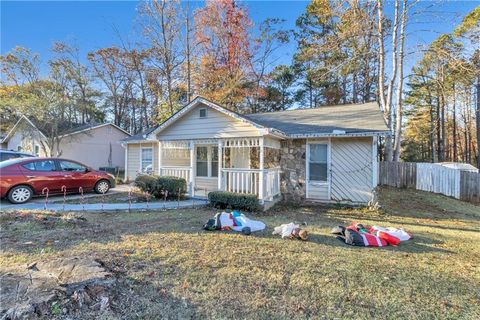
(326, 154)
(96, 144)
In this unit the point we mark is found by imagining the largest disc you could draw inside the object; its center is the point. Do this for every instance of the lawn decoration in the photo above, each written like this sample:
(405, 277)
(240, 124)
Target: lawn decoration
(165, 195)
(147, 197)
(291, 231)
(103, 200)
(45, 192)
(130, 199)
(370, 236)
(82, 198)
(64, 190)
(233, 221)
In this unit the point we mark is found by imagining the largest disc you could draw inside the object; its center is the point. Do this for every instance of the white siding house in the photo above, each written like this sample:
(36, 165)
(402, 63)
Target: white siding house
(326, 154)
(96, 145)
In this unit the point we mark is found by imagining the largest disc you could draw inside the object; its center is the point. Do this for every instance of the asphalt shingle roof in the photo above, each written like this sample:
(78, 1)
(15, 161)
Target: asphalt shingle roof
(353, 118)
(140, 136)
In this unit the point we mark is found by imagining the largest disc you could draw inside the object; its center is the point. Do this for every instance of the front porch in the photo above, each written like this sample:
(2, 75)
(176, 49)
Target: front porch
(242, 165)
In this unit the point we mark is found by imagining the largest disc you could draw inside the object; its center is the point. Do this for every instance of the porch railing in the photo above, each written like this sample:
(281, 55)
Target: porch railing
(248, 181)
(272, 183)
(180, 172)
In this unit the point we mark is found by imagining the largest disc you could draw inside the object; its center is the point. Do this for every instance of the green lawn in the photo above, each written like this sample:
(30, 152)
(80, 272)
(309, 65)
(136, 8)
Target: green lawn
(169, 268)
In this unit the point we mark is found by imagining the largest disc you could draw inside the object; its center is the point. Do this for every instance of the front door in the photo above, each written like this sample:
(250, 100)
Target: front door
(206, 169)
(318, 171)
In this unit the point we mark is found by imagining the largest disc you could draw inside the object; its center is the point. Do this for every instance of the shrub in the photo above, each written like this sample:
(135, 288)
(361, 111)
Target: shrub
(155, 185)
(232, 200)
(146, 183)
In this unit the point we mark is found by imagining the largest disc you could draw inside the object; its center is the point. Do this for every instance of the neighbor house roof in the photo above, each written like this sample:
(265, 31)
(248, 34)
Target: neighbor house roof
(353, 119)
(74, 130)
(139, 137)
(340, 120)
(14, 128)
(91, 126)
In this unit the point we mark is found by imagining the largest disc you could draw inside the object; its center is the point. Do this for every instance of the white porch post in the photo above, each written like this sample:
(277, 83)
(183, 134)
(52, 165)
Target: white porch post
(192, 168)
(126, 162)
(374, 163)
(220, 162)
(159, 158)
(261, 182)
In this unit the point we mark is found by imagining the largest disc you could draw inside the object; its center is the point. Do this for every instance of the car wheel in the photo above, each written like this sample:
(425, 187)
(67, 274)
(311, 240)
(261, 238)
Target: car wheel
(102, 186)
(20, 194)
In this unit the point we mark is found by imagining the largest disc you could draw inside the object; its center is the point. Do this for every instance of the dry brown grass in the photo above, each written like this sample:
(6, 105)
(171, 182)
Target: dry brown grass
(169, 268)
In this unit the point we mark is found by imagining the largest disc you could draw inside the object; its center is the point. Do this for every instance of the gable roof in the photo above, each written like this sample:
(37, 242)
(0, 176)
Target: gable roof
(72, 131)
(91, 126)
(14, 128)
(139, 137)
(202, 101)
(339, 120)
(353, 119)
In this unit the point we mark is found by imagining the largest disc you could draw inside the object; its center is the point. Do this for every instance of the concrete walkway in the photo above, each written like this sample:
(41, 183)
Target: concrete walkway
(107, 206)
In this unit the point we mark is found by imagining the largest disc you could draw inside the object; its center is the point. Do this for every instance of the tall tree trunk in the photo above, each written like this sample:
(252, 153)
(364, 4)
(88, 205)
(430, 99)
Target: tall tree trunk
(381, 56)
(443, 127)
(438, 127)
(398, 116)
(433, 146)
(188, 53)
(478, 121)
(454, 134)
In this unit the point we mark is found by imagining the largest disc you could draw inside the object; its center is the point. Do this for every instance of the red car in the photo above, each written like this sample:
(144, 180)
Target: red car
(23, 178)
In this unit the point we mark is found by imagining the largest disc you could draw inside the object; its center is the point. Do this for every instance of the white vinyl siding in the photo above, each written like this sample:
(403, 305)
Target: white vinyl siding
(352, 169)
(214, 125)
(134, 158)
(204, 185)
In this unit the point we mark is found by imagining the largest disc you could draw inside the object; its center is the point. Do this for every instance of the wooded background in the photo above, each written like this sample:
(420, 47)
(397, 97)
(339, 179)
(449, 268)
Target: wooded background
(348, 51)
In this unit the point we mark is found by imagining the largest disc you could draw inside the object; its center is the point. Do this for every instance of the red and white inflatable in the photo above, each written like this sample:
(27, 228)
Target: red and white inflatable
(371, 236)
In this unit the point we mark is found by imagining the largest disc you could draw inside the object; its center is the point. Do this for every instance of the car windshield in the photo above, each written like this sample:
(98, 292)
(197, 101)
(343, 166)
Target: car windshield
(9, 162)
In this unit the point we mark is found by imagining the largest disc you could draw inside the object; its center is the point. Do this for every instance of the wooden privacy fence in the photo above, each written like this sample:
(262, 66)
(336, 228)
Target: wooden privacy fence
(431, 177)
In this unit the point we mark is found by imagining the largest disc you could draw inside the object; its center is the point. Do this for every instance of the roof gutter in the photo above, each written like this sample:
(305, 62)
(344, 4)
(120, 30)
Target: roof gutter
(339, 135)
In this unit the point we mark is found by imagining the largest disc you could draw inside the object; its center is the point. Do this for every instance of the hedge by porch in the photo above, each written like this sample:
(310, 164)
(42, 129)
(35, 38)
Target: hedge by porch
(233, 200)
(155, 185)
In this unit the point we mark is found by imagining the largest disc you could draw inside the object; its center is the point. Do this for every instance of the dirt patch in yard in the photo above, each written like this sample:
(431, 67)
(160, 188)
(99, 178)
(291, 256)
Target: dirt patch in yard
(165, 265)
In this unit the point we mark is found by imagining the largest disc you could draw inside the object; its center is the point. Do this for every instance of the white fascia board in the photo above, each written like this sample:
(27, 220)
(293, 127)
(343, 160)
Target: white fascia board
(326, 135)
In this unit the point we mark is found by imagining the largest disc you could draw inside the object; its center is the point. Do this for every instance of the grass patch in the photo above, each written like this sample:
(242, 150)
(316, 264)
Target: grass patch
(168, 266)
(120, 197)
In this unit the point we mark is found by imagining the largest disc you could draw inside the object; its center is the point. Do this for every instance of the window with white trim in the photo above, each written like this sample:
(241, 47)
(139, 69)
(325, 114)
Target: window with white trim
(202, 161)
(207, 161)
(318, 163)
(147, 159)
(203, 113)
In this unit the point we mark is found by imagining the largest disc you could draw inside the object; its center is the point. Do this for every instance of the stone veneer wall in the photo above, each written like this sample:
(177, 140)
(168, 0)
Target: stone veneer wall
(271, 160)
(292, 163)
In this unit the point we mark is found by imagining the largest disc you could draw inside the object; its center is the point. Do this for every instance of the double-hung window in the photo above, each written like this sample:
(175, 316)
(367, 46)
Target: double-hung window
(147, 159)
(318, 162)
(207, 161)
(202, 161)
